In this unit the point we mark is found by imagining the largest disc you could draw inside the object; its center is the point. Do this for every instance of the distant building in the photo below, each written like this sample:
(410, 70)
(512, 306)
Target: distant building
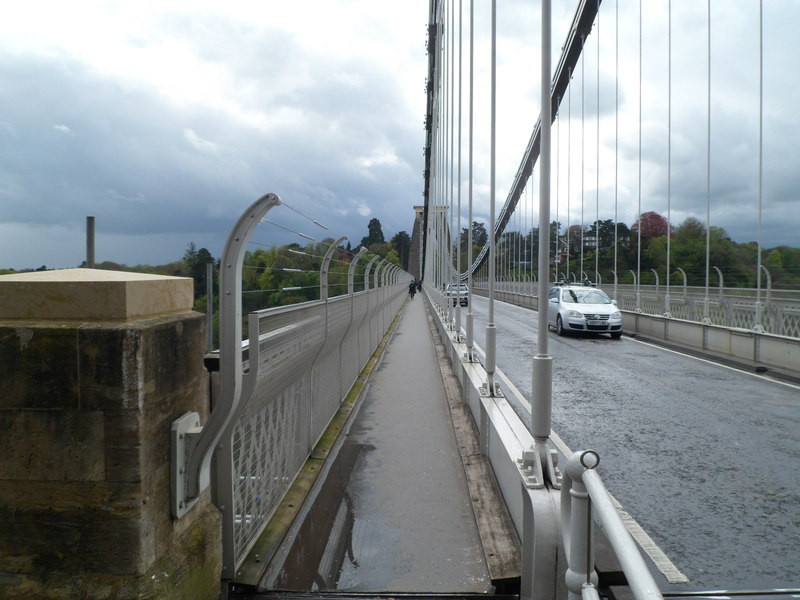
(415, 255)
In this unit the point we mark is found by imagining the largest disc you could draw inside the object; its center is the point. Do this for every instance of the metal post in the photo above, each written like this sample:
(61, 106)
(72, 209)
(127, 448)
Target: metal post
(758, 326)
(209, 307)
(323, 271)
(191, 461)
(576, 510)
(351, 271)
(542, 400)
(90, 242)
(491, 332)
(655, 273)
(367, 270)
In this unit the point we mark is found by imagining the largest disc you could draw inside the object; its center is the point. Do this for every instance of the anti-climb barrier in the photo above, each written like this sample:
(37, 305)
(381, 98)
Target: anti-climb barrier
(279, 388)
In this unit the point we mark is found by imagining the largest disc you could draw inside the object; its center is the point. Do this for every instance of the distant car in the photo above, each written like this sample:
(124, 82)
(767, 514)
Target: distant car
(457, 292)
(582, 308)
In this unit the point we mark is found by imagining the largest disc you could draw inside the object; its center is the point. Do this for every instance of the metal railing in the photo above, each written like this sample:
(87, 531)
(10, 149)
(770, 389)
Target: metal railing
(585, 500)
(279, 388)
(777, 312)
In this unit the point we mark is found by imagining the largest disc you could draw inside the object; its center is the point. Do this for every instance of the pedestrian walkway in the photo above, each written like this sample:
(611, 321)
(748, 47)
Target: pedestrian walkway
(393, 512)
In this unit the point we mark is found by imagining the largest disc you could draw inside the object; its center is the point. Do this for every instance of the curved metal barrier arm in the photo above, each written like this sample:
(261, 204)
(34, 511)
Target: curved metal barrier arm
(193, 445)
(351, 271)
(323, 272)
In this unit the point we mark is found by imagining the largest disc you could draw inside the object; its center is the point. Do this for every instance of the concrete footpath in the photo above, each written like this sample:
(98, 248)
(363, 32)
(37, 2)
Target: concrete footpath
(393, 513)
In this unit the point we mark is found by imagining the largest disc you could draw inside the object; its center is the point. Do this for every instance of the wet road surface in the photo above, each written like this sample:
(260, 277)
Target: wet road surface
(704, 457)
(393, 514)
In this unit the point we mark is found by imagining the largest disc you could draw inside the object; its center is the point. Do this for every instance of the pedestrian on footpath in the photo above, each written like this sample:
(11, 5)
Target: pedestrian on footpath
(412, 289)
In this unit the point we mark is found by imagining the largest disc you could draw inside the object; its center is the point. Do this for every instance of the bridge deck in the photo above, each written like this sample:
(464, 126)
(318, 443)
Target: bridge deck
(393, 512)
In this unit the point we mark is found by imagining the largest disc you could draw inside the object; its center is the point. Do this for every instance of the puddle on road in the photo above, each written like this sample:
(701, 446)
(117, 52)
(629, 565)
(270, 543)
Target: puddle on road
(335, 548)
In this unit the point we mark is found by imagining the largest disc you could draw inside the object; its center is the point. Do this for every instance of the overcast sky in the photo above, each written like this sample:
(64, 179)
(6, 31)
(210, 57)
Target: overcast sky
(166, 119)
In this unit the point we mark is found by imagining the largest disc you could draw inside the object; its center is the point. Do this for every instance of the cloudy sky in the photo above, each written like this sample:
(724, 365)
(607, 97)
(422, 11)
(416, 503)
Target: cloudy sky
(165, 120)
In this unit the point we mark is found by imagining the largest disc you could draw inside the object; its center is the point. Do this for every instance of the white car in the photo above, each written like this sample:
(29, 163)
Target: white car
(582, 308)
(458, 293)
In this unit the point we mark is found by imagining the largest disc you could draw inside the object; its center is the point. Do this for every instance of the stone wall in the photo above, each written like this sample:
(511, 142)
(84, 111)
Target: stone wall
(85, 412)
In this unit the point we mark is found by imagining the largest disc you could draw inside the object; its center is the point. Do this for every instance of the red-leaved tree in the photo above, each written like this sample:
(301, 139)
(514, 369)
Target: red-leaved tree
(652, 224)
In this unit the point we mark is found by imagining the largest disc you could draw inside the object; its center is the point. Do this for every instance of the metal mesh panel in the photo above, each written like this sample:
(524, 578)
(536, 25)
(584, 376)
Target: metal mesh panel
(734, 308)
(788, 320)
(352, 361)
(269, 446)
(308, 356)
(742, 316)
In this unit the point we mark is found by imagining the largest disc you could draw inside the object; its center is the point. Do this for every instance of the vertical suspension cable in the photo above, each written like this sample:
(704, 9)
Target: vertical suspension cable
(616, 146)
(639, 191)
(669, 153)
(583, 143)
(557, 231)
(597, 163)
(706, 315)
(529, 250)
(458, 221)
(452, 277)
(758, 325)
(469, 183)
(569, 167)
(490, 327)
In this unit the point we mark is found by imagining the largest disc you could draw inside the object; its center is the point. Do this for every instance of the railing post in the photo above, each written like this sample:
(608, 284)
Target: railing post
(375, 335)
(758, 326)
(323, 271)
(192, 445)
(367, 272)
(209, 307)
(351, 271)
(638, 295)
(576, 516)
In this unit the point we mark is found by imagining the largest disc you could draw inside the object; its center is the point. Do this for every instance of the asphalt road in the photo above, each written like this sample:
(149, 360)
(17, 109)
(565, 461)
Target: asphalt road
(706, 458)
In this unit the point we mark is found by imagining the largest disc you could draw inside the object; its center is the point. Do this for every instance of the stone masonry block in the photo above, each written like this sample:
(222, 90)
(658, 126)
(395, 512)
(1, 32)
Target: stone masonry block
(39, 366)
(86, 406)
(110, 366)
(50, 445)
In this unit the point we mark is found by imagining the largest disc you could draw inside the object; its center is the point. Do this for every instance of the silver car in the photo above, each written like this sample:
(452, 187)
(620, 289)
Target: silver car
(458, 293)
(582, 308)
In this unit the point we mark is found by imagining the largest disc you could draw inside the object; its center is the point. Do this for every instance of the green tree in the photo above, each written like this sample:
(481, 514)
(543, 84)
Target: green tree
(194, 266)
(375, 235)
(691, 229)
(401, 242)
(393, 257)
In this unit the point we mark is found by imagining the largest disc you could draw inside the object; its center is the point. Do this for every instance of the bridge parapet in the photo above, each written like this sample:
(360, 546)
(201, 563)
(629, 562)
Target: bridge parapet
(762, 351)
(96, 364)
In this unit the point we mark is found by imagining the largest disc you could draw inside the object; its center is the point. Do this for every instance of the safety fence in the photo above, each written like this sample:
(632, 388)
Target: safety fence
(280, 387)
(774, 311)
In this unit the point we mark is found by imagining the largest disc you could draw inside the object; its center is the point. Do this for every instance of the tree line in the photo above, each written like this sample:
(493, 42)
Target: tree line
(642, 247)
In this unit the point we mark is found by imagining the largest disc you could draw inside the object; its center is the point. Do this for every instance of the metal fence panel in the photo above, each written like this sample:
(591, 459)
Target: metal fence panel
(309, 355)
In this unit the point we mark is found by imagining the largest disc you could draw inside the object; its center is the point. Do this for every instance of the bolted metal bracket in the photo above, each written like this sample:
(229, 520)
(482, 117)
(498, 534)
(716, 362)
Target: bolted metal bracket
(553, 474)
(530, 469)
(536, 470)
(184, 435)
(496, 393)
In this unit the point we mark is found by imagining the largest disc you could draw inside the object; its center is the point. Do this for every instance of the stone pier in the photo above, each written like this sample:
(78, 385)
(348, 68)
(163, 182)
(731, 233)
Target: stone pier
(94, 367)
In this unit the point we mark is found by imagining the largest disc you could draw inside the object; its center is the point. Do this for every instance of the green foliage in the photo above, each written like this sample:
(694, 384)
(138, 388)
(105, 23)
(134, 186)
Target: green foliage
(401, 243)
(393, 257)
(375, 235)
(687, 252)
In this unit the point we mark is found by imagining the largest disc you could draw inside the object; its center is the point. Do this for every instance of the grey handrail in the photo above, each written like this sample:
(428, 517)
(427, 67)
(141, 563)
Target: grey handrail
(582, 494)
